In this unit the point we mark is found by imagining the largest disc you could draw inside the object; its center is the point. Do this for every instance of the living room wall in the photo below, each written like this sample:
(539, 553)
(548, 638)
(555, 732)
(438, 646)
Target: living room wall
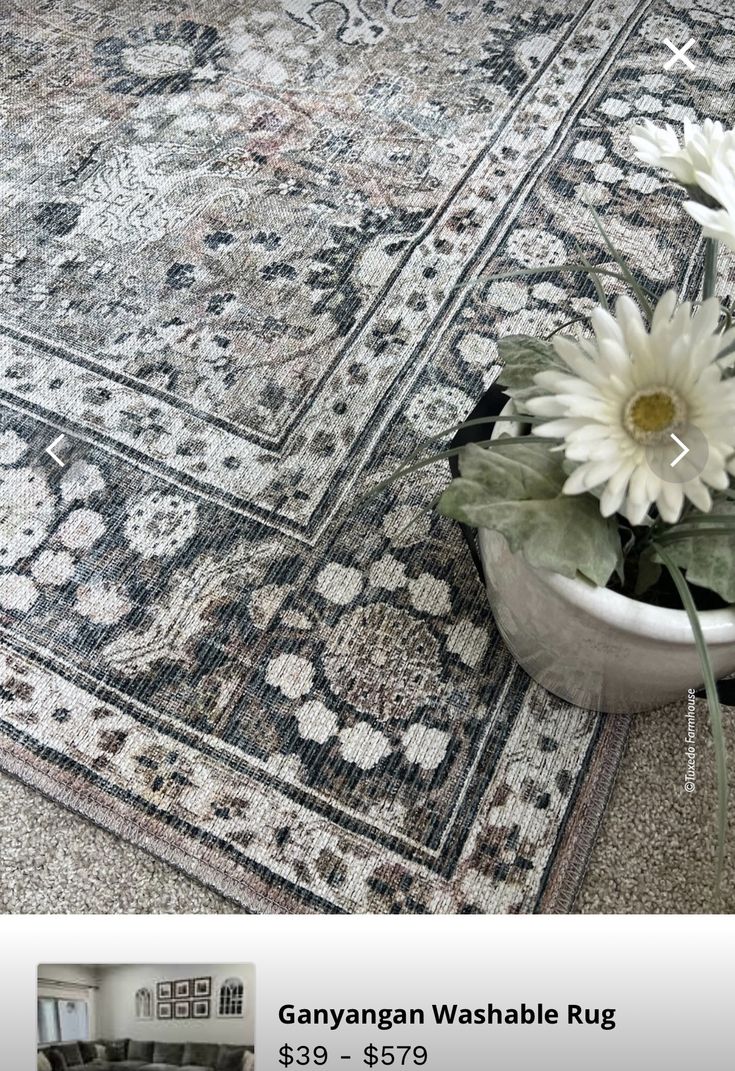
(116, 1004)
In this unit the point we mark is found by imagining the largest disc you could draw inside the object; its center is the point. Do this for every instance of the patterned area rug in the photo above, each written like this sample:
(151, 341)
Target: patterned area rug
(244, 268)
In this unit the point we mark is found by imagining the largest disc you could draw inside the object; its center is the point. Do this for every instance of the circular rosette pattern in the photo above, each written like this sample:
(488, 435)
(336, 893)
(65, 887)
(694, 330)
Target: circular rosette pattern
(392, 660)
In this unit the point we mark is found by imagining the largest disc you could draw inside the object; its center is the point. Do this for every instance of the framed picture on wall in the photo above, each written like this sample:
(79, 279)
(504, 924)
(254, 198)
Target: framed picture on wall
(202, 987)
(182, 989)
(200, 1009)
(182, 1009)
(165, 1010)
(165, 990)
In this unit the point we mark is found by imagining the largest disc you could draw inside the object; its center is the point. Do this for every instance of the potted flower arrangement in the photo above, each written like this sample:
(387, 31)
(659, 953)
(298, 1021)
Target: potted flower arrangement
(604, 497)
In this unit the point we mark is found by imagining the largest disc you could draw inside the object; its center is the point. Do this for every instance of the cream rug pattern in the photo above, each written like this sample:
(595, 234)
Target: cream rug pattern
(244, 251)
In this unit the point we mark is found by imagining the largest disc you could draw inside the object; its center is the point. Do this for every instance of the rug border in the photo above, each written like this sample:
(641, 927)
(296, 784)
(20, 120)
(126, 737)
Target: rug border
(99, 812)
(584, 819)
(561, 887)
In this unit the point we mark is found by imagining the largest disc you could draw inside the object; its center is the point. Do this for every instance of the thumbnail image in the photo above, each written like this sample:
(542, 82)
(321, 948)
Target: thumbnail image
(146, 1017)
(367, 460)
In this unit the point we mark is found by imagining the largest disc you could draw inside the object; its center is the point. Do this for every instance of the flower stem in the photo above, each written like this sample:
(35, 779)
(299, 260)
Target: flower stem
(711, 247)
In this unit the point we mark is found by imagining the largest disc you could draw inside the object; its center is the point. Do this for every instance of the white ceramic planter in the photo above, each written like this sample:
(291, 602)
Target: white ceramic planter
(591, 646)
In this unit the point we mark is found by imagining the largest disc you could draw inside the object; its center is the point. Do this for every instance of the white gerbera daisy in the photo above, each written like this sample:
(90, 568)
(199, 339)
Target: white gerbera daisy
(627, 391)
(703, 146)
(717, 223)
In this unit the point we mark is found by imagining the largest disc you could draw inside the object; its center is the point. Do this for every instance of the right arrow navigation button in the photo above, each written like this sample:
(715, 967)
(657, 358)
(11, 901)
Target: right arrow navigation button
(684, 450)
(681, 456)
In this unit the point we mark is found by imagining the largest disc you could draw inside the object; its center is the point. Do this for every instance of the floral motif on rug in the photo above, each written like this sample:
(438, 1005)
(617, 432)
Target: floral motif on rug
(244, 271)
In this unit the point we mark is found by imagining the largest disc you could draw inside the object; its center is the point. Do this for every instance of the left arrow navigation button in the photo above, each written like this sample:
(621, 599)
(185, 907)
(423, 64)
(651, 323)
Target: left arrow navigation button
(53, 447)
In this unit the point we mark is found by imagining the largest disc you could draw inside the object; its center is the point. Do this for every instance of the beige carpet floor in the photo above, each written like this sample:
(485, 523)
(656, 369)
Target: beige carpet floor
(654, 854)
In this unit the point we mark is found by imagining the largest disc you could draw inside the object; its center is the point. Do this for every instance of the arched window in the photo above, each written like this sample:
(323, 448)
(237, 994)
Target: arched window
(144, 1003)
(231, 998)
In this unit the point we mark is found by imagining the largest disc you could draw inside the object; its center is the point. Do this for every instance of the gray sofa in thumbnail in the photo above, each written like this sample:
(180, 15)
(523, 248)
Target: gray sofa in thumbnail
(127, 1054)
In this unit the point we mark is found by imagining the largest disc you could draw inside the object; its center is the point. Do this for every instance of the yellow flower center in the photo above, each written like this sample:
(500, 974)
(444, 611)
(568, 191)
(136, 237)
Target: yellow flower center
(651, 415)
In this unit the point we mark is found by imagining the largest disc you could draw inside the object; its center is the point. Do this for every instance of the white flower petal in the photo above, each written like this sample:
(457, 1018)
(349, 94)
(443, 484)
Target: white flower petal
(715, 223)
(670, 500)
(635, 512)
(576, 484)
(557, 429)
(546, 406)
(611, 500)
(700, 159)
(637, 487)
(590, 409)
(698, 495)
(663, 311)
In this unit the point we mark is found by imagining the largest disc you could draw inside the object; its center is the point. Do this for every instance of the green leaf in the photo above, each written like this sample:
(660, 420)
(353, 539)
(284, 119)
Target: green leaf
(709, 281)
(517, 491)
(648, 574)
(707, 556)
(640, 291)
(433, 459)
(599, 288)
(522, 357)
